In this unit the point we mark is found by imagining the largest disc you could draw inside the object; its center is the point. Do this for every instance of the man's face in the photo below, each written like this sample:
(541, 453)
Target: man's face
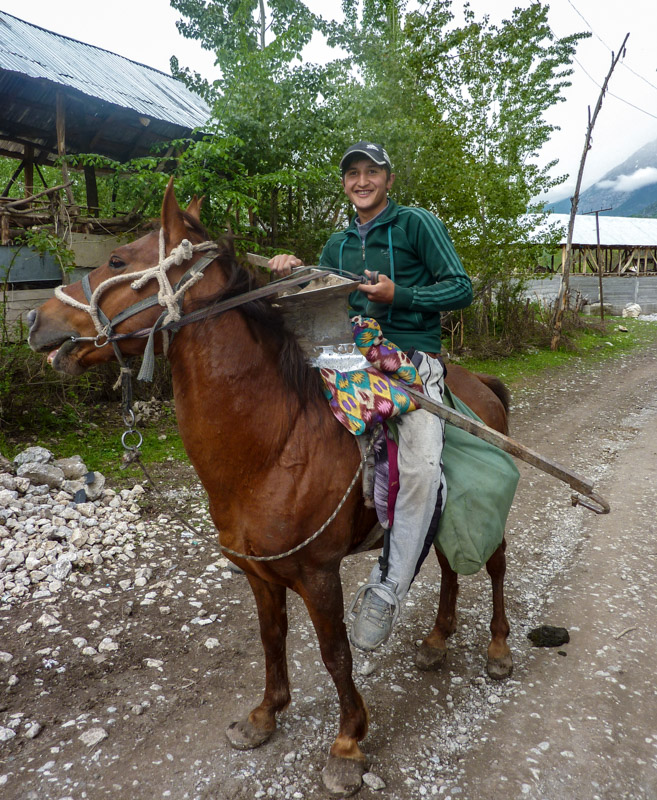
(366, 185)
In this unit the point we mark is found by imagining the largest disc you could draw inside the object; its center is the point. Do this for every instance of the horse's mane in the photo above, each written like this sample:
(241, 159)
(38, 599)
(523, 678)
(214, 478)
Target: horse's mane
(266, 322)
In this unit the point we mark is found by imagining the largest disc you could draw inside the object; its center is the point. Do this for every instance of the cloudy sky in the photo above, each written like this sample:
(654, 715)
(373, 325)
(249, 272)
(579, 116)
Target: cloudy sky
(144, 30)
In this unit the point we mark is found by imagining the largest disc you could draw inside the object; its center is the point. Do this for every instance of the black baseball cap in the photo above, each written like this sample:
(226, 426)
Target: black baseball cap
(368, 149)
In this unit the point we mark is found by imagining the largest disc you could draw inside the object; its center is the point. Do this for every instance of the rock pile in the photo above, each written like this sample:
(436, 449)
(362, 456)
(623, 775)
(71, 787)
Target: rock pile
(57, 520)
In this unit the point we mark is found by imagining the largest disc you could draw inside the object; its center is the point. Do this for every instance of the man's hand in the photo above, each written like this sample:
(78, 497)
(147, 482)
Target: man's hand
(283, 263)
(383, 291)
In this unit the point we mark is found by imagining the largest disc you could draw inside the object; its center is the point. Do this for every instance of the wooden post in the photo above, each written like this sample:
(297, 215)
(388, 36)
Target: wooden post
(61, 143)
(597, 258)
(4, 227)
(28, 169)
(562, 299)
(92, 190)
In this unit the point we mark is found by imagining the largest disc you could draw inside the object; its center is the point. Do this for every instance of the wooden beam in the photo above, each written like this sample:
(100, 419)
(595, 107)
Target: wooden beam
(28, 169)
(92, 190)
(17, 172)
(61, 143)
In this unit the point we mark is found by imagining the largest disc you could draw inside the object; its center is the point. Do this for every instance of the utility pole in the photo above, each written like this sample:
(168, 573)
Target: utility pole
(597, 256)
(562, 299)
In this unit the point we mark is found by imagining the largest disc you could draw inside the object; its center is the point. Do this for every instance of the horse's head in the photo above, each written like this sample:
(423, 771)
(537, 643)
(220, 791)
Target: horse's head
(71, 327)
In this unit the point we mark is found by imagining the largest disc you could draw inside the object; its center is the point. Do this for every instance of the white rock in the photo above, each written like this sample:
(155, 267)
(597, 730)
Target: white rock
(211, 643)
(73, 467)
(373, 781)
(5, 657)
(36, 455)
(154, 663)
(41, 474)
(79, 538)
(93, 736)
(632, 311)
(6, 734)
(33, 730)
(107, 645)
(47, 620)
(95, 489)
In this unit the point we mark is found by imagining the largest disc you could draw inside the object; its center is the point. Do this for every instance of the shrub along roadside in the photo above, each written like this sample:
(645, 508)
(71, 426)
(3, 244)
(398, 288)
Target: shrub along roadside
(590, 343)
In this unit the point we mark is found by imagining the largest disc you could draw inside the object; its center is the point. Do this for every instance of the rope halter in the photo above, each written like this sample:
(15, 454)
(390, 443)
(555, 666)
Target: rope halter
(168, 296)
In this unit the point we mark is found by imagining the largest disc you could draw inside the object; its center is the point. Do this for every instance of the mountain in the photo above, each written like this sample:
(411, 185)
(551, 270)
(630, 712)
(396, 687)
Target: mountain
(628, 190)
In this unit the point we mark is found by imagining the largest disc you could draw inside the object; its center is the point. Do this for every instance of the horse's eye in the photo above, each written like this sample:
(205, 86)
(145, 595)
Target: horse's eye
(116, 263)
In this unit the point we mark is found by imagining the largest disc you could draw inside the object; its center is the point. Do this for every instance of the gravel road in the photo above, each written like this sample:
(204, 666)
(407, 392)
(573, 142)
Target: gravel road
(119, 678)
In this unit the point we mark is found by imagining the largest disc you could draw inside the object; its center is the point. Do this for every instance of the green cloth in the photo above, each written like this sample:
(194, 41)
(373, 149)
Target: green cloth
(481, 481)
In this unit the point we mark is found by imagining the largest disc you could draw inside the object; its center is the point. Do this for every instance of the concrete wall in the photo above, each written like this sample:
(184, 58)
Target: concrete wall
(616, 292)
(92, 250)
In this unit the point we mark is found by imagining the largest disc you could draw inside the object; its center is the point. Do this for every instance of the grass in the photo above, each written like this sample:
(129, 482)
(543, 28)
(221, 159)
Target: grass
(95, 435)
(589, 344)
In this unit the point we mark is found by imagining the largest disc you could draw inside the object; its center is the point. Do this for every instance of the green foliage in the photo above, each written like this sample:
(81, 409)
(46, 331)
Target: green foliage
(45, 241)
(461, 109)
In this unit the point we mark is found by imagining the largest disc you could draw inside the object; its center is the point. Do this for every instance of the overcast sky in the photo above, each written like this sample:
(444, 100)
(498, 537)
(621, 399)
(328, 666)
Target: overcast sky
(144, 30)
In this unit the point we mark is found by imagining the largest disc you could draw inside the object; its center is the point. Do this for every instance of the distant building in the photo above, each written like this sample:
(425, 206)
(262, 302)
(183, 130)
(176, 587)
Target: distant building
(628, 245)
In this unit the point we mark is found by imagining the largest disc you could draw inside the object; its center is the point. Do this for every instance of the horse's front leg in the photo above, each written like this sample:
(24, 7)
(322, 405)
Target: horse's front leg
(433, 650)
(322, 594)
(255, 729)
(500, 661)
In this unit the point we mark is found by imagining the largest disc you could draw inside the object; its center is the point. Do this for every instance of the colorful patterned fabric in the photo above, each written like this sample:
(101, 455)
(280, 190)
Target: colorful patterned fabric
(363, 398)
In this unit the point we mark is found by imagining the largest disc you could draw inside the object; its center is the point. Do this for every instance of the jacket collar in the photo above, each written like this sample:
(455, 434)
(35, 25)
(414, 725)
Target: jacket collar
(387, 216)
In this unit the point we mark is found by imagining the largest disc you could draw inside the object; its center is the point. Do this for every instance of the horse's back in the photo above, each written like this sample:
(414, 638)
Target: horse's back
(486, 395)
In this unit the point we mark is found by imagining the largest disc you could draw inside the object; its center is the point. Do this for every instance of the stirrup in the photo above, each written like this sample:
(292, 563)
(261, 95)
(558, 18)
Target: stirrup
(391, 599)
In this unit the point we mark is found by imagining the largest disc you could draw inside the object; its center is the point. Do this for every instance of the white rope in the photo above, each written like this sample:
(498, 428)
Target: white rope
(166, 296)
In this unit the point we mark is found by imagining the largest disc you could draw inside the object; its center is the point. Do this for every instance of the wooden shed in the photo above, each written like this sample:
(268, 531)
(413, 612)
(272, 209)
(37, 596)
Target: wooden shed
(628, 245)
(60, 96)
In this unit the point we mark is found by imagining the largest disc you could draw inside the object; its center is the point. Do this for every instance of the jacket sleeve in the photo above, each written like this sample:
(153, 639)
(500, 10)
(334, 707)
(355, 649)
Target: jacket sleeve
(451, 288)
(326, 258)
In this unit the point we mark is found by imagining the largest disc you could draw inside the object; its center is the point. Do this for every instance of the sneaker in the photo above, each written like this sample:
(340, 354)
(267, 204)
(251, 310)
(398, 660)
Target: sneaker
(373, 623)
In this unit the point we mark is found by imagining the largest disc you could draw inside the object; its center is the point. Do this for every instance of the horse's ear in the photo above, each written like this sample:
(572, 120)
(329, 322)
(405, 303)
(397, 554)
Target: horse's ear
(173, 223)
(194, 207)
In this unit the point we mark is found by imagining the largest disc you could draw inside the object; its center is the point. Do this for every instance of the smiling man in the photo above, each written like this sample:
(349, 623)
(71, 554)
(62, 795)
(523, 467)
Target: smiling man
(416, 274)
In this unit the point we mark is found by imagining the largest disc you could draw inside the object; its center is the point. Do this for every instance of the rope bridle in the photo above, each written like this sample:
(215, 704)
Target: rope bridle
(170, 297)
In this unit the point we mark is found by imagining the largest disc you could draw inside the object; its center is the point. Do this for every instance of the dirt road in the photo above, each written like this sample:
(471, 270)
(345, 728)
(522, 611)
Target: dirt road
(146, 719)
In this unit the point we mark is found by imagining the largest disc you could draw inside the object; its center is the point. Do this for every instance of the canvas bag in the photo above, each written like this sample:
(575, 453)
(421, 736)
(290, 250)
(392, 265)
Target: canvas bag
(481, 482)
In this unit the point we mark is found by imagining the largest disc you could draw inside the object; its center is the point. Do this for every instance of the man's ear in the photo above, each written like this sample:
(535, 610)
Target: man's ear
(390, 181)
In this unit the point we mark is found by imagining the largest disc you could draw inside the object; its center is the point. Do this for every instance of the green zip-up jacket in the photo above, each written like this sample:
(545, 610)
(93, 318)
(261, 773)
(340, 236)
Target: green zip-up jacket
(412, 247)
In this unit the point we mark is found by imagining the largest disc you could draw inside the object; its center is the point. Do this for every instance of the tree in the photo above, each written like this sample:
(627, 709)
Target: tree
(462, 110)
(277, 110)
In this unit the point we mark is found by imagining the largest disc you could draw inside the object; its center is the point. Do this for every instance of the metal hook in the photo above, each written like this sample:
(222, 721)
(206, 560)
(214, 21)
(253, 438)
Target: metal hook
(602, 506)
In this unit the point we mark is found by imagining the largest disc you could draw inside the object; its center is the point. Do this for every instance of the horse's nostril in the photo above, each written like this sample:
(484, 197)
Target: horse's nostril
(31, 317)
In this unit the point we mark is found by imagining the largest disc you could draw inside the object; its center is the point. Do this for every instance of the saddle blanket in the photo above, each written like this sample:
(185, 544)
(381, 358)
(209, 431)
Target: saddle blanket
(481, 479)
(364, 398)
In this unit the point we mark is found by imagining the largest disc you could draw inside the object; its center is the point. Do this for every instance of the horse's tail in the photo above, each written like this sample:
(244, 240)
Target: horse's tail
(498, 388)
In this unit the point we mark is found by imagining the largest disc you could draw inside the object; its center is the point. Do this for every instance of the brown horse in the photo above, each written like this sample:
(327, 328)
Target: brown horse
(272, 458)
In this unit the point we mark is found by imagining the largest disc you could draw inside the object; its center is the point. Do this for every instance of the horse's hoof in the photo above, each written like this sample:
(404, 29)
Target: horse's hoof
(243, 735)
(430, 658)
(343, 776)
(500, 668)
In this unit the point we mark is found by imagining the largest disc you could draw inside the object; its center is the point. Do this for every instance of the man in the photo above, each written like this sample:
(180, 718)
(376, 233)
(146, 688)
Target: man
(415, 273)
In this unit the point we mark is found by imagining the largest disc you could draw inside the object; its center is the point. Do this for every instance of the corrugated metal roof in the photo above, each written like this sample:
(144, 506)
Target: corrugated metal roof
(40, 54)
(614, 231)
